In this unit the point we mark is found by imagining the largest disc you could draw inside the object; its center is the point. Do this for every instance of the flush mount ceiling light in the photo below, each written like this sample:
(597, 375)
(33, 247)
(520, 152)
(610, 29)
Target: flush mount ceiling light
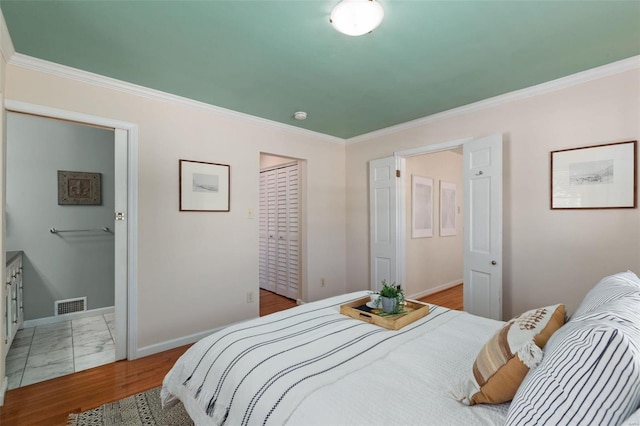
(356, 17)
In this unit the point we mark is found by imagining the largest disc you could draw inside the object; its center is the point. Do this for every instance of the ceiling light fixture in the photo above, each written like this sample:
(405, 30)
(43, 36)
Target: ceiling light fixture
(356, 17)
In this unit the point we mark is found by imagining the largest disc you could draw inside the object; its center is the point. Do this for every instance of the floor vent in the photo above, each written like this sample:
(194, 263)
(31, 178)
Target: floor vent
(68, 306)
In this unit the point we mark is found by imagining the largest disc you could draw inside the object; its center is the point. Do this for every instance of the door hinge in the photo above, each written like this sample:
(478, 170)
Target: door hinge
(120, 215)
(397, 173)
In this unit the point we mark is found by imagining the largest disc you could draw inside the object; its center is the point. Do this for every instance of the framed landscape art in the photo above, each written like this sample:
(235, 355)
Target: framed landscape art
(594, 177)
(204, 187)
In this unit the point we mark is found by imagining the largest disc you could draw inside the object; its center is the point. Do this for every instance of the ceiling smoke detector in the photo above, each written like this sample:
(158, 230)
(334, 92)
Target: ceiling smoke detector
(300, 115)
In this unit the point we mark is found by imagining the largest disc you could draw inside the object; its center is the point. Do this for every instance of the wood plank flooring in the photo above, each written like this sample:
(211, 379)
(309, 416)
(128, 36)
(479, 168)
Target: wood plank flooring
(450, 298)
(48, 403)
(271, 302)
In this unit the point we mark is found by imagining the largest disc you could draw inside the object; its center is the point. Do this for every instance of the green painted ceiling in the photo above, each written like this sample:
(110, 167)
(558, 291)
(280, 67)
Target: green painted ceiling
(271, 58)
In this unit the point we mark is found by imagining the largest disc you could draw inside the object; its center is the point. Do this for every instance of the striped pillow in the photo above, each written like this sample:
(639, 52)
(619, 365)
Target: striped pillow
(590, 376)
(505, 360)
(609, 290)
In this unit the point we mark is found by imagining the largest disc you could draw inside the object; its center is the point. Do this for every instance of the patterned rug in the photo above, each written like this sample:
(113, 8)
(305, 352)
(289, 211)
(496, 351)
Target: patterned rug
(143, 409)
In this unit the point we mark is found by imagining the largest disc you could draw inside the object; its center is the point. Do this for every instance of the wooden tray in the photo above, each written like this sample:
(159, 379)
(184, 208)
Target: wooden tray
(413, 310)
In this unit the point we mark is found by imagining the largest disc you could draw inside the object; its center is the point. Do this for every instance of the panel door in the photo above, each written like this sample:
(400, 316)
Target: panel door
(483, 226)
(383, 221)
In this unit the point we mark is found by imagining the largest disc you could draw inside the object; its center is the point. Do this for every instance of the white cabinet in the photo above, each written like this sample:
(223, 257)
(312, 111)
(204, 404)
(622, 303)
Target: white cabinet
(13, 308)
(280, 230)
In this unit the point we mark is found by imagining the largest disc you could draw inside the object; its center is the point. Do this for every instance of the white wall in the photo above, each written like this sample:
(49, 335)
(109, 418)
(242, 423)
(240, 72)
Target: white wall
(194, 269)
(433, 263)
(66, 265)
(550, 256)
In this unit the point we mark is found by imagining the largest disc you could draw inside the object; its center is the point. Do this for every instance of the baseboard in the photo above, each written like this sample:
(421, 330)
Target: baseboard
(67, 317)
(435, 289)
(174, 343)
(3, 390)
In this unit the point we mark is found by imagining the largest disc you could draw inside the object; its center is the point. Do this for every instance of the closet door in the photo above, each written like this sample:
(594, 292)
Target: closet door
(293, 231)
(264, 234)
(280, 231)
(272, 218)
(282, 253)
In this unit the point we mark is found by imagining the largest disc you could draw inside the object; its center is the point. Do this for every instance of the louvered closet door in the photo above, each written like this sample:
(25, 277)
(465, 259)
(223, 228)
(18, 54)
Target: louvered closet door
(268, 275)
(293, 231)
(280, 243)
(264, 235)
(283, 252)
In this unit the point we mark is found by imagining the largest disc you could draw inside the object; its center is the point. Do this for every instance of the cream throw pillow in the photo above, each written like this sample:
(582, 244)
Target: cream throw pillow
(506, 358)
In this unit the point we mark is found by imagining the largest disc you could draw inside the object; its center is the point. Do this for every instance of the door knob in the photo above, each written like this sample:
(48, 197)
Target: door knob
(494, 263)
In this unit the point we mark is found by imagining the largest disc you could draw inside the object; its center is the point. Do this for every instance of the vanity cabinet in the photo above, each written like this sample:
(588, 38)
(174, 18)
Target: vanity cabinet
(13, 308)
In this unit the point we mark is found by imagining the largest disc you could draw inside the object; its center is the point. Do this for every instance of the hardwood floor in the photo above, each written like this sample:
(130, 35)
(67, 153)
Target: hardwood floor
(48, 403)
(271, 302)
(450, 298)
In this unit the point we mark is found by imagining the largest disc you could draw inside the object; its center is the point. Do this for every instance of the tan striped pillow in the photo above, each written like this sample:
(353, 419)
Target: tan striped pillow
(507, 357)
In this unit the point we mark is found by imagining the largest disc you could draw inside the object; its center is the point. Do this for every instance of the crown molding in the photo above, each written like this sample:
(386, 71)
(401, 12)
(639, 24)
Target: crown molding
(6, 45)
(539, 89)
(29, 62)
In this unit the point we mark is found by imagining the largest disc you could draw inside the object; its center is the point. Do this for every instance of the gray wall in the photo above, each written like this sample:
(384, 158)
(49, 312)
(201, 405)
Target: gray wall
(62, 266)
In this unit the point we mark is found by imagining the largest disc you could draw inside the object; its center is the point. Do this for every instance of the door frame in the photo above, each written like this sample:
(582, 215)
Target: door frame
(126, 292)
(402, 206)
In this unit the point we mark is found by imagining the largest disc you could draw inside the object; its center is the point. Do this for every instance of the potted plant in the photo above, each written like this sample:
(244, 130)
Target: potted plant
(392, 297)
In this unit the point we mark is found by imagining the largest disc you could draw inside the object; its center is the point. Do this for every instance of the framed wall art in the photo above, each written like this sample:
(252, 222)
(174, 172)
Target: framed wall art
(594, 177)
(79, 188)
(448, 209)
(204, 187)
(422, 207)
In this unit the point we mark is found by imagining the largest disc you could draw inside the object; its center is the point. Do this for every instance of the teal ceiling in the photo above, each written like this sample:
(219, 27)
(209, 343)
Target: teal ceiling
(271, 58)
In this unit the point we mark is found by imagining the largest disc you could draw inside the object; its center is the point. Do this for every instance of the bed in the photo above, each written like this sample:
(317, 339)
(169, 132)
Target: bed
(310, 365)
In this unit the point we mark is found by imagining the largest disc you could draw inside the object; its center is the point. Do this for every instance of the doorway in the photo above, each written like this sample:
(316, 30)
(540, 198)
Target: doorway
(482, 229)
(434, 237)
(60, 204)
(124, 232)
(280, 226)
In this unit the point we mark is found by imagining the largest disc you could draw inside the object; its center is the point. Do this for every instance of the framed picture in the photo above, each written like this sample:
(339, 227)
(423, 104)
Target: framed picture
(448, 209)
(204, 187)
(79, 188)
(422, 207)
(594, 177)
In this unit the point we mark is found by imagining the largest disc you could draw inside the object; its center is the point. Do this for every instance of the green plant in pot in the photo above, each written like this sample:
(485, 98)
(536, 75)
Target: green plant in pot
(392, 297)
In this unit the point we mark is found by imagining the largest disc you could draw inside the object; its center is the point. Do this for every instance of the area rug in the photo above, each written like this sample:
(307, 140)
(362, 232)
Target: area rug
(143, 409)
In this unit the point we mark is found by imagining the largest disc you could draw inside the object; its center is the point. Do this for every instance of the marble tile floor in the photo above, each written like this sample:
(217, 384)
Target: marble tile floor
(53, 350)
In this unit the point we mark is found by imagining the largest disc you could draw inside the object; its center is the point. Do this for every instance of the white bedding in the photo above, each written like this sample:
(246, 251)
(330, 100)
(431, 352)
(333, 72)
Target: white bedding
(292, 368)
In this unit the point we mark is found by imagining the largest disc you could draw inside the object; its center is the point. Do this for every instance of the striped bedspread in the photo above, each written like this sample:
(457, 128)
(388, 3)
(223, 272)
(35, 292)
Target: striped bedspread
(259, 371)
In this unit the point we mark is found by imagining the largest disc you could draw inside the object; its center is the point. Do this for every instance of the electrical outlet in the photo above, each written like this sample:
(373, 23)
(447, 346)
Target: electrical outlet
(321, 282)
(249, 297)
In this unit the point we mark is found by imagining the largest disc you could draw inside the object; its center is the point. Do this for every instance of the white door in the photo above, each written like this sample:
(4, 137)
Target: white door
(483, 226)
(280, 231)
(383, 221)
(121, 241)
